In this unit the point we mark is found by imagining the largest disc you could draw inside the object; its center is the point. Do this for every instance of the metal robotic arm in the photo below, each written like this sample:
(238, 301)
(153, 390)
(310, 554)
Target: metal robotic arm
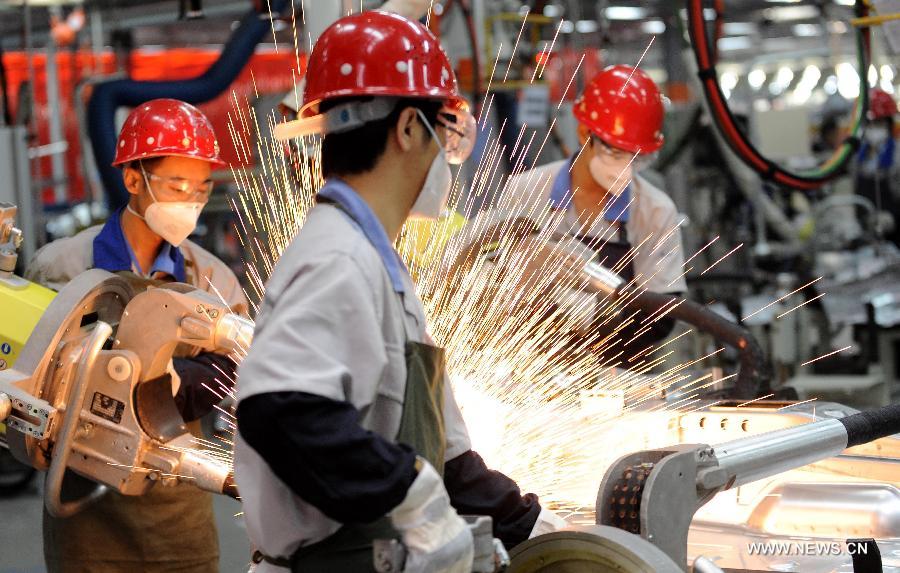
(90, 392)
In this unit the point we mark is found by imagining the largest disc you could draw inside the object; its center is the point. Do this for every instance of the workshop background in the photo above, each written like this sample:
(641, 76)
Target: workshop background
(787, 185)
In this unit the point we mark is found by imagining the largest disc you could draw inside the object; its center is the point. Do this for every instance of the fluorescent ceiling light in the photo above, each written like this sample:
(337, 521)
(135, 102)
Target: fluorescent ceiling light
(739, 28)
(729, 81)
(585, 26)
(734, 43)
(625, 13)
(756, 78)
(567, 27)
(653, 27)
(552, 11)
(806, 30)
(786, 13)
(846, 2)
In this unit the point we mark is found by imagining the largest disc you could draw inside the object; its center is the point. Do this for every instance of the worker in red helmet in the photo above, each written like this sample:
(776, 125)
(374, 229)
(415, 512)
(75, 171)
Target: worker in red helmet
(166, 150)
(348, 429)
(598, 197)
(877, 166)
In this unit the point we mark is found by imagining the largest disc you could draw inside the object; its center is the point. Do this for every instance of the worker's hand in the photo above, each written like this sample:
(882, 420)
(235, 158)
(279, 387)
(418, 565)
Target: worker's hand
(547, 522)
(412, 9)
(437, 539)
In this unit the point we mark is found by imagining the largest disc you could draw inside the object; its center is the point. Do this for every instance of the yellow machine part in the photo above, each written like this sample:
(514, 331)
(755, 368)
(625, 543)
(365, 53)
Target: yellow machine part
(425, 240)
(22, 304)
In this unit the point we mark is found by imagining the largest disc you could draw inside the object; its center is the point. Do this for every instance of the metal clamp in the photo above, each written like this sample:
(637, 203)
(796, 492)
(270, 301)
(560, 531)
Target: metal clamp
(63, 447)
(24, 413)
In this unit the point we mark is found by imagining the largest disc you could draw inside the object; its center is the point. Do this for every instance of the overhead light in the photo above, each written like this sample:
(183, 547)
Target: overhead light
(585, 26)
(734, 43)
(810, 77)
(552, 11)
(837, 27)
(756, 78)
(831, 85)
(787, 13)
(728, 80)
(567, 27)
(738, 28)
(846, 2)
(653, 27)
(847, 81)
(806, 30)
(762, 105)
(709, 14)
(887, 73)
(887, 86)
(873, 76)
(624, 13)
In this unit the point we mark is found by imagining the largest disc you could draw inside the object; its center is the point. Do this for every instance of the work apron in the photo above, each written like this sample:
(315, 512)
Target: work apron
(168, 529)
(421, 427)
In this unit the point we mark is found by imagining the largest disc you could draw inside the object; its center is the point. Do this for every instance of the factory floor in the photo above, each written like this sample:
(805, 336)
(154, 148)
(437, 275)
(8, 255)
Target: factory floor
(21, 549)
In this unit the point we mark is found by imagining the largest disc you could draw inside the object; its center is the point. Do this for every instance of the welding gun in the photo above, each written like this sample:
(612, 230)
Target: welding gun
(90, 393)
(754, 372)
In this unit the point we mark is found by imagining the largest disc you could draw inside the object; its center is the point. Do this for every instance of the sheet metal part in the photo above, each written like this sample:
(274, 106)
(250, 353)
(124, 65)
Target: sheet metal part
(590, 549)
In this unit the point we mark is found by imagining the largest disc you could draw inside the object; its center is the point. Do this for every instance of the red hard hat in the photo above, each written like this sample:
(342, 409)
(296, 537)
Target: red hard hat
(623, 107)
(163, 127)
(377, 53)
(881, 104)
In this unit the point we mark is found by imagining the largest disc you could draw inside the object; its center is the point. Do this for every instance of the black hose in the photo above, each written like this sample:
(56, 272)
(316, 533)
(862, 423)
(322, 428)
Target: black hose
(754, 371)
(108, 97)
(867, 426)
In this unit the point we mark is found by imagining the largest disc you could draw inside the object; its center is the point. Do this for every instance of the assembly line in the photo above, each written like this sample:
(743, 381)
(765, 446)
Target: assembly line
(452, 286)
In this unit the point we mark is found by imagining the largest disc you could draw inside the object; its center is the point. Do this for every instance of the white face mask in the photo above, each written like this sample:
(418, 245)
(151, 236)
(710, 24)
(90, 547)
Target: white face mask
(612, 176)
(876, 135)
(432, 200)
(173, 221)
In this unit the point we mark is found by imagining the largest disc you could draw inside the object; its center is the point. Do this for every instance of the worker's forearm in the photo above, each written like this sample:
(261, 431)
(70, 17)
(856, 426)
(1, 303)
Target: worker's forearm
(316, 446)
(204, 380)
(476, 490)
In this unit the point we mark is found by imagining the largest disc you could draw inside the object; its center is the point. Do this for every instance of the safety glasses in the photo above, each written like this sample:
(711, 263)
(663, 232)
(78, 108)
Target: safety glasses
(614, 156)
(186, 189)
(460, 131)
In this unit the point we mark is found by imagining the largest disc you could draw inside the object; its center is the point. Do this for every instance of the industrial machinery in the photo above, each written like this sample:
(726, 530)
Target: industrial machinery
(819, 518)
(91, 393)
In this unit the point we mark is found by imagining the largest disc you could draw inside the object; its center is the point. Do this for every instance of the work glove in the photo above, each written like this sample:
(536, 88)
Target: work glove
(437, 539)
(547, 522)
(412, 9)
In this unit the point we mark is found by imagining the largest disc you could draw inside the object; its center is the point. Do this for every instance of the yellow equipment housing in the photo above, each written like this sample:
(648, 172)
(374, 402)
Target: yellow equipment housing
(22, 303)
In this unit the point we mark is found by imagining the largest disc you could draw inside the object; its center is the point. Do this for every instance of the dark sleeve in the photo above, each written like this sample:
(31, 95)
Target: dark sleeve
(316, 446)
(205, 379)
(476, 490)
